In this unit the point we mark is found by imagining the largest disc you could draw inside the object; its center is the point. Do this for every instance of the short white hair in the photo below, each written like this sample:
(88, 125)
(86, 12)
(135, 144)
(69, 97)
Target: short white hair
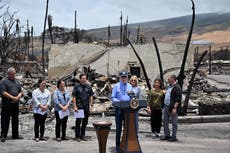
(11, 69)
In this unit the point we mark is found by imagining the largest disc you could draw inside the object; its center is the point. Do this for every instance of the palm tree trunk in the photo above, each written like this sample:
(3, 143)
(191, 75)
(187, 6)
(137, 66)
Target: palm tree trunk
(184, 110)
(159, 60)
(181, 75)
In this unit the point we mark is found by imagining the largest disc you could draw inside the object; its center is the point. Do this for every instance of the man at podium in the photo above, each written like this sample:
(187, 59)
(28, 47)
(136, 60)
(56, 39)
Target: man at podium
(120, 93)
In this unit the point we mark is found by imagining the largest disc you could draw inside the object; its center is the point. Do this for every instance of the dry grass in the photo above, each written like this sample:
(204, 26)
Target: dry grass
(219, 38)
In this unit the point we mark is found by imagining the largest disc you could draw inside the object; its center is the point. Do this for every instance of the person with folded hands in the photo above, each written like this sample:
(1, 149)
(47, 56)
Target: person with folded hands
(41, 100)
(62, 100)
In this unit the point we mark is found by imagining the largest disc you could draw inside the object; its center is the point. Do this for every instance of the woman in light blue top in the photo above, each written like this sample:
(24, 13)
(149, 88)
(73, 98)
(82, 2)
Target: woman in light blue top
(62, 101)
(41, 98)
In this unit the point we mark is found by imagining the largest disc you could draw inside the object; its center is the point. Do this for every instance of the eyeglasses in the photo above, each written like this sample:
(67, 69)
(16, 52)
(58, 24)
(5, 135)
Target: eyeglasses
(133, 80)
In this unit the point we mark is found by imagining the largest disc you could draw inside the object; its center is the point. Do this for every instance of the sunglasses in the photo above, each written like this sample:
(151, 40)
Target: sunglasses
(133, 80)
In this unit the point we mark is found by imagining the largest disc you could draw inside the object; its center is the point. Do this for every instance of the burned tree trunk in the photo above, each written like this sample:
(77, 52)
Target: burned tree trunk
(27, 43)
(138, 34)
(159, 60)
(128, 35)
(184, 109)
(76, 36)
(109, 35)
(50, 28)
(125, 33)
(142, 65)
(210, 60)
(7, 39)
(181, 75)
(121, 29)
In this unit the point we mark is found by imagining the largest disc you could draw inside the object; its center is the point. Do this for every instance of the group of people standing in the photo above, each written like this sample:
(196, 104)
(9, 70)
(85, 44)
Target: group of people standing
(162, 104)
(11, 92)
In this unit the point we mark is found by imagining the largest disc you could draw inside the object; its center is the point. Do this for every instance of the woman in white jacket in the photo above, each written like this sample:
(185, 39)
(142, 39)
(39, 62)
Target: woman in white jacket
(41, 98)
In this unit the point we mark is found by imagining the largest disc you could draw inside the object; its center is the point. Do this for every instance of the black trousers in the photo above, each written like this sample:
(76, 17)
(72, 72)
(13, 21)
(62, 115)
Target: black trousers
(9, 110)
(39, 124)
(156, 119)
(119, 120)
(60, 124)
(80, 129)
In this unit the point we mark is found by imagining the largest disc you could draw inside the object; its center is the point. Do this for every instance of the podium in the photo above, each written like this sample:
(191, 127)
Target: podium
(102, 129)
(129, 141)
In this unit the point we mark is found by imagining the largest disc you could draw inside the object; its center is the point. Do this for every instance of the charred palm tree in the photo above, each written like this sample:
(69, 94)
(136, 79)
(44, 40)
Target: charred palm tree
(125, 33)
(121, 29)
(76, 34)
(142, 65)
(181, 75)
(28, 40)
(159, 60)
(50, 28)
(138, 34)
(184, 109)
(109, 35)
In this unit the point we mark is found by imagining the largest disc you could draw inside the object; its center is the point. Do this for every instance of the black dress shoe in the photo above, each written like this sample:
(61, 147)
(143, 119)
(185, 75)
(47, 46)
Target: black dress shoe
(83, 138)
(172, 139)
(43, 139)
(19, 137)
(64, 138)
(165, 138)
(78, 139)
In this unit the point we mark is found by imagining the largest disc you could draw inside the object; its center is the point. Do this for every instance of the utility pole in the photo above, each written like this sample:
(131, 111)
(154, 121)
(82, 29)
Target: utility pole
(43, 38)
(28, 41)
(32, 41)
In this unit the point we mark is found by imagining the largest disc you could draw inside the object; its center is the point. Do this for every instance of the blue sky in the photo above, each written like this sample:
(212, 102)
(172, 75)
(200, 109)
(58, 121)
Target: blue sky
(100, 13)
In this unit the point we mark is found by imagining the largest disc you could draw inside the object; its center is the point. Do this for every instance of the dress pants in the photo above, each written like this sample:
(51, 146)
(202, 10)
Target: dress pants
(9, 110)
(119, 118)
(39, 125)
(156, 118)
(166, 115)
(60, 125)
(80, 129)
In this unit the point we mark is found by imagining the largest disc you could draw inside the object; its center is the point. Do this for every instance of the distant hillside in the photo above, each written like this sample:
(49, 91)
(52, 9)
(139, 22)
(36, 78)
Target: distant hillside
(166, 30)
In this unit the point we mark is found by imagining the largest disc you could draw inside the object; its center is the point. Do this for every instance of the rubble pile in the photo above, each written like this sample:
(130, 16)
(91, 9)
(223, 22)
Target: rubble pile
(208, 97)
(214, 107)
(211, 97)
